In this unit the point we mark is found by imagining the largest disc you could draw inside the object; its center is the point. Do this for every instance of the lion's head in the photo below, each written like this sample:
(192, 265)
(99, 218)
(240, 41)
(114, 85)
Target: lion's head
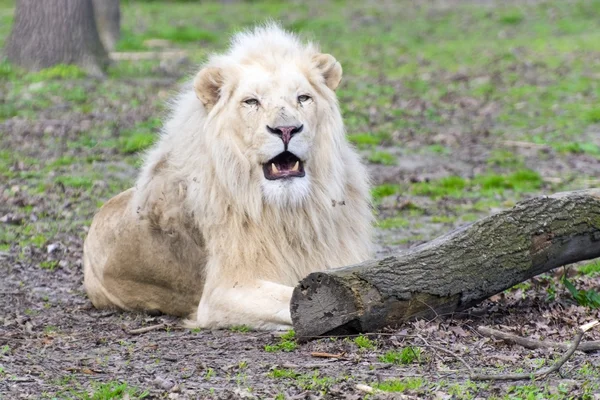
(254, 155)
(271, 106)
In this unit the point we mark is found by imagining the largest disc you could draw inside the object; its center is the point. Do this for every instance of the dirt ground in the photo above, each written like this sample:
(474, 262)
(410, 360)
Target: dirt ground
(56, 344)
(62, 155)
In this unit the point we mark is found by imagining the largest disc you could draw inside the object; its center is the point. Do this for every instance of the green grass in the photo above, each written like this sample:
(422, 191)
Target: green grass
(592, 268)
(283, 373)
(49, 265)
(381, 191)
(58, 72)
(486, 185)
(394, 222)
(240, 329)
(364, 343)
(399, 385)
(112, 390)
(140, 137)
(313, 381)
(286, 343)
(382, 157)
(407, 355)
(75, 182)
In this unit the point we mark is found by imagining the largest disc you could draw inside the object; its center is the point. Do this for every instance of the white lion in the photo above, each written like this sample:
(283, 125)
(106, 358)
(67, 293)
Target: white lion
(251, 186)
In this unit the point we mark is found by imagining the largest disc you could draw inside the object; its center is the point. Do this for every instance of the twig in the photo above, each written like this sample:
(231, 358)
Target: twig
(449, 352)
(544, 371)
(146, 329)
(327, 355)
(535, 344)
(526, 145)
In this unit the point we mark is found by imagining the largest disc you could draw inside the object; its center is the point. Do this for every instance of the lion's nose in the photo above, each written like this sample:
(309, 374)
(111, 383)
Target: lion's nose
(285, 132)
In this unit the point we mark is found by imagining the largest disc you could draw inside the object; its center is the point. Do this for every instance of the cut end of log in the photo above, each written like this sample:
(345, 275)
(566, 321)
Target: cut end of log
(316, 307)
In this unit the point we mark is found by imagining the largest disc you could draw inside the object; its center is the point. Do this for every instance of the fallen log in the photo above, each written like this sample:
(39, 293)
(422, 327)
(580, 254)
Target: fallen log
(453, 272)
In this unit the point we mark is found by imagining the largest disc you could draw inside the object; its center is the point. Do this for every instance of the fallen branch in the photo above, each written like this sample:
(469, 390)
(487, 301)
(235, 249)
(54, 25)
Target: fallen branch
(535, 344)
(444, 350)
(367, 389)
(147, 55)
(146, 329)
(326, 355)
(544, 371)
(526, 145)
(454, 272)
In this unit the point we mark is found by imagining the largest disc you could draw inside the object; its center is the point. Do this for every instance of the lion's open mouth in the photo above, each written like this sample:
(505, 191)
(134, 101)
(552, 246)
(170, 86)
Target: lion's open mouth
(285, 165)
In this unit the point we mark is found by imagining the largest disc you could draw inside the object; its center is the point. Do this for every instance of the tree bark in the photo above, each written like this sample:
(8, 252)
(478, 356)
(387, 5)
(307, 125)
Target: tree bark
(51, 32)
(453, 272)
(108, 22)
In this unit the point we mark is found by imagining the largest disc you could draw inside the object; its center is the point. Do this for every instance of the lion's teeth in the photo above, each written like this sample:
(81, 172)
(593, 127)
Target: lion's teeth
(274, 168)
(296, 166)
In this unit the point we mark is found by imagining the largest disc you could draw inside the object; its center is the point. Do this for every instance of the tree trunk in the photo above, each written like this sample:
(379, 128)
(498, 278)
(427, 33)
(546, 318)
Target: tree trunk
(50, 32)
(453, 272)
(108, 22)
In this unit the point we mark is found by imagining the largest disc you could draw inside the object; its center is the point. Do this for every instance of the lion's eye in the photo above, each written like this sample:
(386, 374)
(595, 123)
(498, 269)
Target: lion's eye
(251, 102)
(302, 98)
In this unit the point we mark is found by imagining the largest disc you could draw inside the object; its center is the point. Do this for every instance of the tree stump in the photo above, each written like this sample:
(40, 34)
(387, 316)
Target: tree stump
(51, 32)
(452, 272)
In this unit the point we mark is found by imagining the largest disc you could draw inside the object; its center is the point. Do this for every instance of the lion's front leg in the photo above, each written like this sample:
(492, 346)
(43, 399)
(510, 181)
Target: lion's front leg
(258, 304)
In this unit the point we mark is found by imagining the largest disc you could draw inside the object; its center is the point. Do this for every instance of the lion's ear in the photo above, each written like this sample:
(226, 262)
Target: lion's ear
(207, 85)
(330, 68)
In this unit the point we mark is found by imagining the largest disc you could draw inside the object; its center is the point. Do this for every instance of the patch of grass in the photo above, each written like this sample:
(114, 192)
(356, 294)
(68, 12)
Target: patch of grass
(7, 70)
(535, 392)
(366, 140)
(286, 343)
(587, 298)
(382, 157)
(283, 373)
(437, 149)
(38, 240)
(315, 382)
(60, 71)
(593, 115)
(449, 186)
(185, 34)
(398, 385)
(75, 182)
(443, 219)
(592, 269)
(381, 191)
(392, 223)
(240, 329)
(407, 355)
(136, 142)
(49, 265)
(523, 180)
(62, 161)
(304, 381)
(140, 137)
(111, 390)
(504, 158)
(364, 343)
(511, 17)
(578, 148)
